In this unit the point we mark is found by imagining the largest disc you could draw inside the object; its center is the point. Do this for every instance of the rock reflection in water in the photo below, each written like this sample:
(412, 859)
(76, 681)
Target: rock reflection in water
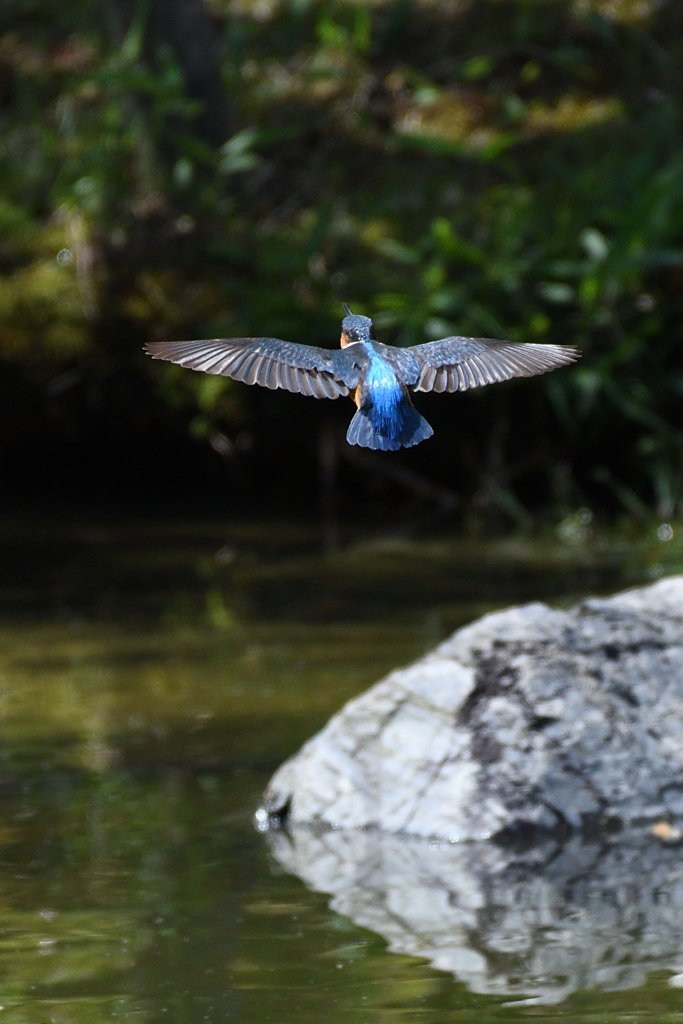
(539, 927)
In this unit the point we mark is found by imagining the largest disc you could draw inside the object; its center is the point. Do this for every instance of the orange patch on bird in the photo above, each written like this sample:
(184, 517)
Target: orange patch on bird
(666, 832)
(344, 340)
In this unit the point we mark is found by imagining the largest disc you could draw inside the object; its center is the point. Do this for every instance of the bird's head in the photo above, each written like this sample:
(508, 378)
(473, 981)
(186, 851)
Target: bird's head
(356, 328)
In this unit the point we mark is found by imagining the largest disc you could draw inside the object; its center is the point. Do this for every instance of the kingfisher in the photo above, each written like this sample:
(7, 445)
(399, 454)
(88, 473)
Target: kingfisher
(379, 378)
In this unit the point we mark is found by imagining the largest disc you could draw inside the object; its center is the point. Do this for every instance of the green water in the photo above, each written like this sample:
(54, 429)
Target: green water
(151, 680)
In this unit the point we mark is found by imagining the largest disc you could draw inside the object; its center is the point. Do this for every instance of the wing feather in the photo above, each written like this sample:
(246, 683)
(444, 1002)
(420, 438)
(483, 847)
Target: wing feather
(270, 362)
(457, 364)
(277, 375)
(486, 374)
(269, 374)
(327, 386)
(429, 378)
(248, 368)
(305, 385)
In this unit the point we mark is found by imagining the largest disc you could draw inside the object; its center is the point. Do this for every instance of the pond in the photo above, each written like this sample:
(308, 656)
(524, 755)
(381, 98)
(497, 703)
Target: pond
(152, 678)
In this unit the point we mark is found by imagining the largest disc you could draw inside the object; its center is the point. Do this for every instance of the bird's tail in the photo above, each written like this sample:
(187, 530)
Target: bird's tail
(412, 429)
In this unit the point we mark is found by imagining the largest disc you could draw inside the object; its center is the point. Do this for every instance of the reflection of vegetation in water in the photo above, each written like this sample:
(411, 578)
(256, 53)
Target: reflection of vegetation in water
(104, 879)
(243, 657)
(133, 881)
(141, 717)
(487, 168)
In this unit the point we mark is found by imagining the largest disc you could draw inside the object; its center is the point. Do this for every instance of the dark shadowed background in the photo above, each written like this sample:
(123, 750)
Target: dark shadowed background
(177, 168)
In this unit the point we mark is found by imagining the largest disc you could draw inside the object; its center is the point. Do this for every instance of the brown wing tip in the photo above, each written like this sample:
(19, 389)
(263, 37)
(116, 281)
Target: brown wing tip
(175, 350)
(155, 349)
(561, 355)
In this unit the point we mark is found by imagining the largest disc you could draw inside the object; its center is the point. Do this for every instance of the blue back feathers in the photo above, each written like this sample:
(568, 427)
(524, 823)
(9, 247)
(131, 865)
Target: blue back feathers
(386, 397)
(386, 420)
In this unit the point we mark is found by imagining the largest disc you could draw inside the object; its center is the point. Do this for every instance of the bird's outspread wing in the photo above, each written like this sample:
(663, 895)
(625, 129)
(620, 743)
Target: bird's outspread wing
(456, 364)
(270, 362)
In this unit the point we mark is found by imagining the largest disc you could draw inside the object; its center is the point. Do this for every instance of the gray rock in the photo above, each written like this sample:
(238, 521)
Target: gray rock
(530, 718)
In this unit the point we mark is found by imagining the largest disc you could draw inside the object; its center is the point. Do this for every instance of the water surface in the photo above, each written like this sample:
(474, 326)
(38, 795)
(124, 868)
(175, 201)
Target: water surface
(152, 677)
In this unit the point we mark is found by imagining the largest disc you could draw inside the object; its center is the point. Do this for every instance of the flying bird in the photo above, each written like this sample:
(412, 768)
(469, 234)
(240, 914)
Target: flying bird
(379, 378)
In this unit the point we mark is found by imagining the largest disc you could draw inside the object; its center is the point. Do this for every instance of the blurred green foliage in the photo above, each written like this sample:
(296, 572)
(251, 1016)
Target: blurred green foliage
(510, 168)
